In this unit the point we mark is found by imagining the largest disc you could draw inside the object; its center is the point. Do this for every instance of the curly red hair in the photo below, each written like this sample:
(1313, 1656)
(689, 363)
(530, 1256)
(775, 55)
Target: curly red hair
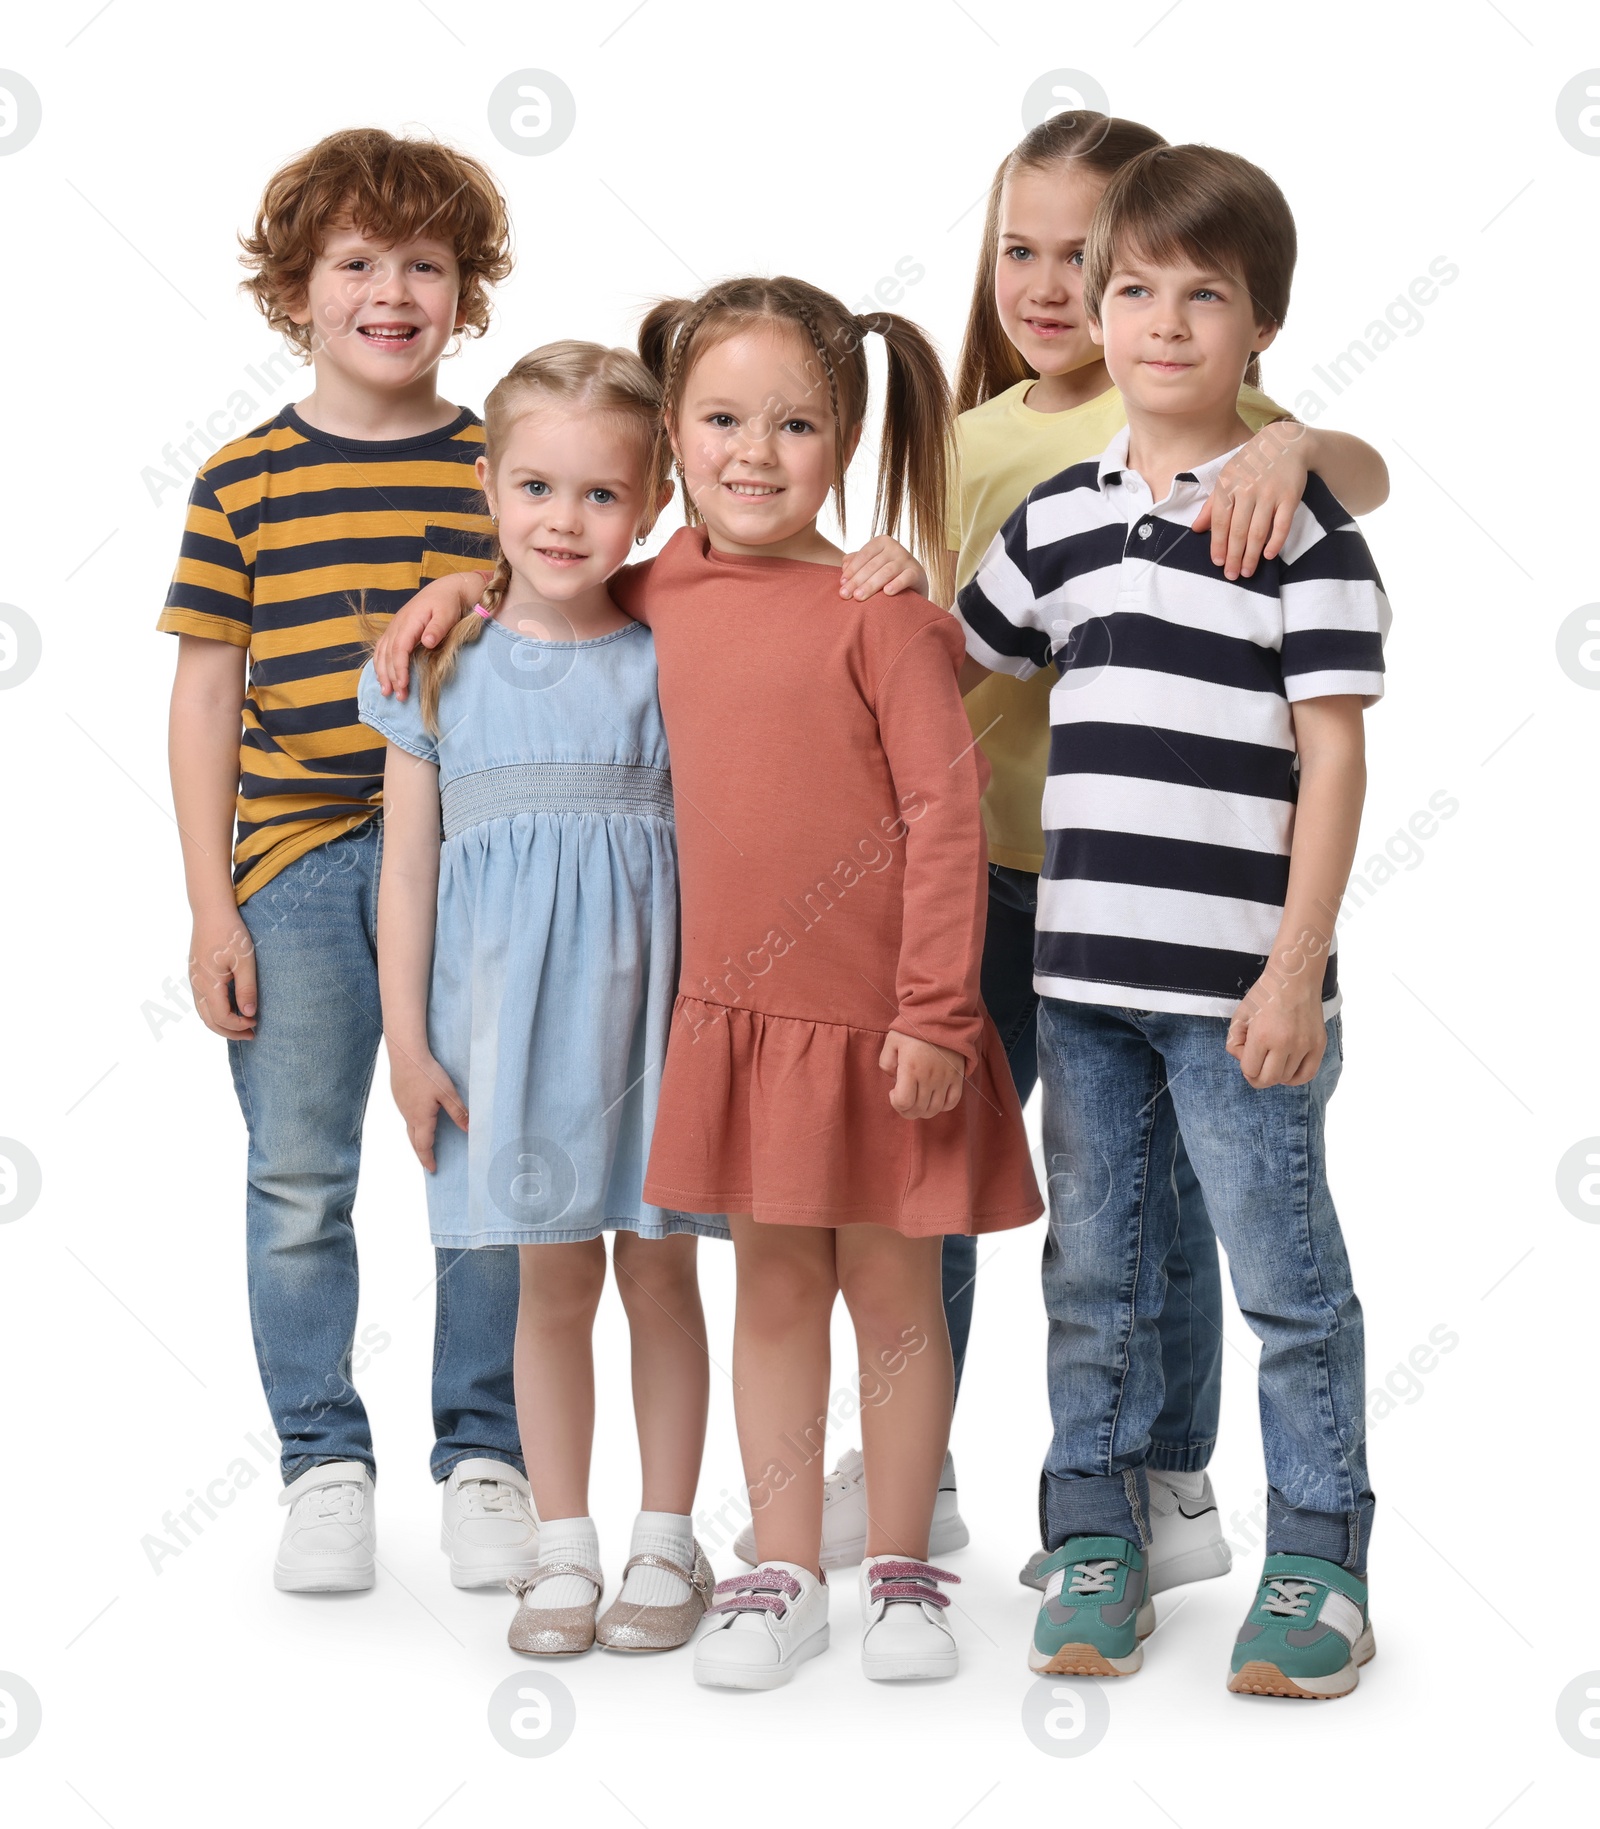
(390, 188)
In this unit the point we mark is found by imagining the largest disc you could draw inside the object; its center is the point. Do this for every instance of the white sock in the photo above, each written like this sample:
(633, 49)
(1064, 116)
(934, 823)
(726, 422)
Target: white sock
(660, 1533)
(1185, 1485)
(566, 1540)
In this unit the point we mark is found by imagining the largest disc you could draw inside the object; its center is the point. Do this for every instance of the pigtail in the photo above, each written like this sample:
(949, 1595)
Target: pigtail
(913, 453)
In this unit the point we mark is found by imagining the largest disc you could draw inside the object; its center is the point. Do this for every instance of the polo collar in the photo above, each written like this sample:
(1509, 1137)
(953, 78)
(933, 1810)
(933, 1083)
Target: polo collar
(1114, 461)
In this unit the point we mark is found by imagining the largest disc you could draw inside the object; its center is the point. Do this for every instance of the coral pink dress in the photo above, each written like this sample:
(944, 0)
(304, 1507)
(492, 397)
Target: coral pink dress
(832, 871)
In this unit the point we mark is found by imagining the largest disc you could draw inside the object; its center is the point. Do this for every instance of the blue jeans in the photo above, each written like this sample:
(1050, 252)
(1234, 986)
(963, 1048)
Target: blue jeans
(1120, 1087)
(302, 1084)
(1190, 1322)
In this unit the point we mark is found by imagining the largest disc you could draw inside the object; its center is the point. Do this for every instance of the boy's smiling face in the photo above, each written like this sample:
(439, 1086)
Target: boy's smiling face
(381, 316)
(1177, 335)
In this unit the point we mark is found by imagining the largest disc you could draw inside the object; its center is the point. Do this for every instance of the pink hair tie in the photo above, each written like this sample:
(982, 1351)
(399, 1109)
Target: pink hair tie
(479, 610)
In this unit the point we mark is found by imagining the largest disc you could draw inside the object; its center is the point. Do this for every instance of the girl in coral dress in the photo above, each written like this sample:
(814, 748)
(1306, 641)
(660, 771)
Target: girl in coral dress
(832, 1082)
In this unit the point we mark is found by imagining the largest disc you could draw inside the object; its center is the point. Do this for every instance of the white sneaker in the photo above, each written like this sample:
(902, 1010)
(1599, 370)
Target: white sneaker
(330, 1538)
(906, 1633)
(760, 1626)
(844, 1516)
(1186, 1540)
(489, 1530)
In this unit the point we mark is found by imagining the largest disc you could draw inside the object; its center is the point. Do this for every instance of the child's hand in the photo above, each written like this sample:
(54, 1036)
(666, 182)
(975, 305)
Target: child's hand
(222, 957)
(881, 565)
(422, 1089)
(1278, 1035)
(428, 618)
(927, 1078)
(1252, 507)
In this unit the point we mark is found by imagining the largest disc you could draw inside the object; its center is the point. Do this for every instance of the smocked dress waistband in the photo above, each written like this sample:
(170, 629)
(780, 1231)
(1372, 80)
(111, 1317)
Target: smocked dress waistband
(555, 787)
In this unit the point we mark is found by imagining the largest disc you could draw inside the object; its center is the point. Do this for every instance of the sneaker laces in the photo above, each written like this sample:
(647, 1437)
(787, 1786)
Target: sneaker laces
(763, 1590)
(488, 1498)
(897, 1580)
(1094, 1577)
(335, 1503)
(1291, 1599)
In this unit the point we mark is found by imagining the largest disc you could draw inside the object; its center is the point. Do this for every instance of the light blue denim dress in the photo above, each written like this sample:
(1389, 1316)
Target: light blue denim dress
(556, 948)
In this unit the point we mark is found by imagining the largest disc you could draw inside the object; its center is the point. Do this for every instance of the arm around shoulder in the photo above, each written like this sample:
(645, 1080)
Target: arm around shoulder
(427, 618)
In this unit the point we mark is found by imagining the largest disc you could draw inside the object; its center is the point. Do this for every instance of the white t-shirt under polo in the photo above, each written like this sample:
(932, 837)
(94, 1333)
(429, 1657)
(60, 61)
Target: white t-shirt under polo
(1169, 803)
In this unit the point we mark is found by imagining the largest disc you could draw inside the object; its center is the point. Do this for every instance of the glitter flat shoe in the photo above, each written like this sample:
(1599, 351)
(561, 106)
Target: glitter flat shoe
(550, 1632)
(626, 1627)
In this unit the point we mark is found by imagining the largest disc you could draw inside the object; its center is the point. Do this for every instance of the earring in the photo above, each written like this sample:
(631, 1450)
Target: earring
(641, 540)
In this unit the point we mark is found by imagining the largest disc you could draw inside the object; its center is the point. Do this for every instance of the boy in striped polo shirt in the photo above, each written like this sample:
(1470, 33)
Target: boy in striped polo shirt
(1204, 794)
(369, 254)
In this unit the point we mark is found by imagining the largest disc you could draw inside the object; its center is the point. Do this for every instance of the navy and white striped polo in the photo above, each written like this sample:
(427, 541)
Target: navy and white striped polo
(1169, 804)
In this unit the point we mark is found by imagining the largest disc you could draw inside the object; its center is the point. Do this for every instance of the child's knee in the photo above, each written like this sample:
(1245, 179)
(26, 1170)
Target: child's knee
(656, 1273)
(884, 1309)
(562, 1282)
(794, 1292)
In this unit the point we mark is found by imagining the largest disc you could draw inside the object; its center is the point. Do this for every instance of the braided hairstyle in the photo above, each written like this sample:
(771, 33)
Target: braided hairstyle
(587, 376)
(912, 450)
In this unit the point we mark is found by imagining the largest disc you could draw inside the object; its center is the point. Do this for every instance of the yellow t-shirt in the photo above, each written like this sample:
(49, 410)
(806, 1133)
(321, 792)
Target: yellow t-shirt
(1002, 449)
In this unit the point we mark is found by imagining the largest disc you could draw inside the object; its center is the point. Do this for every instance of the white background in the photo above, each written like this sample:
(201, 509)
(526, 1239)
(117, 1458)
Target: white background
(829, 141)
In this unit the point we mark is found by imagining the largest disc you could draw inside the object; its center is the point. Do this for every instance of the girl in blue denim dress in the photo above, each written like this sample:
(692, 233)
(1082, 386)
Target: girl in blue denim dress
(527, 956)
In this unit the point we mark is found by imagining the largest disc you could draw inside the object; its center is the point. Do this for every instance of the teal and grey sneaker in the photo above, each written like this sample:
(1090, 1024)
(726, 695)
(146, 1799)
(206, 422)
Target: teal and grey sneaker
(1095, 1610)
(1307, 1633)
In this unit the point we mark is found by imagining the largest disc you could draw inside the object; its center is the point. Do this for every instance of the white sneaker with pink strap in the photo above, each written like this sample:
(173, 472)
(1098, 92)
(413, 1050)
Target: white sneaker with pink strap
(760, 1626)
(907, 1635)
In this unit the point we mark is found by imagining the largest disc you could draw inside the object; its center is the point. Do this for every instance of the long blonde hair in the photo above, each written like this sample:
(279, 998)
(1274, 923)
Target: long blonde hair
(1099, 143)
(916, 418)
(580, 374)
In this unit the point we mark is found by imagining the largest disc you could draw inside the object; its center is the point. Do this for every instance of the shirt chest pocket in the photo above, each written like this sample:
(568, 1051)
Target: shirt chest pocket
(447, 548)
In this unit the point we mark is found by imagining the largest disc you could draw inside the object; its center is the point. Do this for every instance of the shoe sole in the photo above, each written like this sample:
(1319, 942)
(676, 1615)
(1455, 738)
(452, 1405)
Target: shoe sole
(1084, 1661)
(1089, 1660)
(321, 1581)
(487, 1575)
(907, 1670)
(1260, 1678)
(476, 1577)
(729, 1676)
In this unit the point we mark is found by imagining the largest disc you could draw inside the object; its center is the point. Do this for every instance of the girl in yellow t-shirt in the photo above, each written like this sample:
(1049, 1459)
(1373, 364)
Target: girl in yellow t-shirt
(1033, 398)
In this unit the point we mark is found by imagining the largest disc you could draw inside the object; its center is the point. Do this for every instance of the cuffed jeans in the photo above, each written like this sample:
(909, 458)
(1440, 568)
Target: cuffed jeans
(302, 1084)
(1183, 1436)
(1120, 1089)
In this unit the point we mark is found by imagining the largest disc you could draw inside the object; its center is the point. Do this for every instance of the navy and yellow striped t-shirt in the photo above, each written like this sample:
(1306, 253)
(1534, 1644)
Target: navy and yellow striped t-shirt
(290, 532)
